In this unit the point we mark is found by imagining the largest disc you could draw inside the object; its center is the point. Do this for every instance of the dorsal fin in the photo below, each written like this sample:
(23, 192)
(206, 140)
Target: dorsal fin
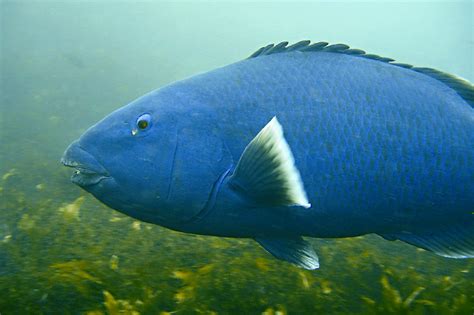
(463, 88)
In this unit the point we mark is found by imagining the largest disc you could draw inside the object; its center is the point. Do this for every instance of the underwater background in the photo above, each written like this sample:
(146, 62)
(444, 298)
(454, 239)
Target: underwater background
(65, 65)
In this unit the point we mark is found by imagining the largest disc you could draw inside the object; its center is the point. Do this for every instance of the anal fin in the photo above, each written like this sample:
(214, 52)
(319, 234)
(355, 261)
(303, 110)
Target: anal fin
(455, 241)
(293, 250)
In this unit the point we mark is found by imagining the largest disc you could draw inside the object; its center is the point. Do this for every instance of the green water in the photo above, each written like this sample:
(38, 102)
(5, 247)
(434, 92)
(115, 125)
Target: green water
(65, 65)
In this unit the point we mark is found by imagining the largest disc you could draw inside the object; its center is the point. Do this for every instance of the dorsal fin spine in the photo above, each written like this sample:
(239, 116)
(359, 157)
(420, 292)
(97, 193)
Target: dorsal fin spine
(463, 88)
(315, 47)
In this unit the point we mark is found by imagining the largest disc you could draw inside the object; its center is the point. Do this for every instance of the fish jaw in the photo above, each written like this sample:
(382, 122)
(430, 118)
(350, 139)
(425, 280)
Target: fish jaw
(88, 171)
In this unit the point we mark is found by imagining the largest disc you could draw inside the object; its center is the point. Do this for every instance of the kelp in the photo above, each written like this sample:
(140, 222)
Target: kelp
(62, 251)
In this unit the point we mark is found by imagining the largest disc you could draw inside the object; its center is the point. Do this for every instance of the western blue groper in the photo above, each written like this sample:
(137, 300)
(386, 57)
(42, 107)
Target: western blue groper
(308, 140)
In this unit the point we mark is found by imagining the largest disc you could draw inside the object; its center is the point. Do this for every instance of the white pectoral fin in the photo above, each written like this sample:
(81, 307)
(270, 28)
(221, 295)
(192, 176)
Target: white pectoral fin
(266, 171)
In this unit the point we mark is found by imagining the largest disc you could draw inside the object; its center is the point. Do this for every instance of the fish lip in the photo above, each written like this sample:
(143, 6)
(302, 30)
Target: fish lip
(83, 175)
(88, 171)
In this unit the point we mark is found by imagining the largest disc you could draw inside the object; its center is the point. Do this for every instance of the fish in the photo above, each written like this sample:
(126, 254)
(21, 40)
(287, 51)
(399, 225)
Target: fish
(298, 141)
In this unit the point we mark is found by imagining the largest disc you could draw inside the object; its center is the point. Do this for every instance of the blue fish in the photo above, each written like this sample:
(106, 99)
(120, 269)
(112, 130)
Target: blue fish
(310, 140)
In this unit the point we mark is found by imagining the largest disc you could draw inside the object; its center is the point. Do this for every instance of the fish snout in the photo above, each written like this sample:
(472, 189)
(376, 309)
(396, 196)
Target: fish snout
(88, 171)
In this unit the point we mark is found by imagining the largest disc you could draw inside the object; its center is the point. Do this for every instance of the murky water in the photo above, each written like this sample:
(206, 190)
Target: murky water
(66, 65)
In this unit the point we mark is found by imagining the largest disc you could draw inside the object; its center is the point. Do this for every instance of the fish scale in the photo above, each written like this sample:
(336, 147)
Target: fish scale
(412, 110)
(310, 140)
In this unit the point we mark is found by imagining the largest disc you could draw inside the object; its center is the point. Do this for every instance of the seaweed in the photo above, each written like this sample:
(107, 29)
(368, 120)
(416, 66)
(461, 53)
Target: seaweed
(61, 251)
(65, 251)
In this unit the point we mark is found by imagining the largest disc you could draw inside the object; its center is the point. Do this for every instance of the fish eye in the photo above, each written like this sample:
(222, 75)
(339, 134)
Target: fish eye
(143, 122)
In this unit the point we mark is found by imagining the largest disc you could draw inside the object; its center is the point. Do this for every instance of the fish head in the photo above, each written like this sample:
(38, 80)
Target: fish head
(151, 159)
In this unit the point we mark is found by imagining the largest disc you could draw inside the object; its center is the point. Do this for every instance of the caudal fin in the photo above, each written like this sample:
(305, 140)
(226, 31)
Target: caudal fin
(454, 241)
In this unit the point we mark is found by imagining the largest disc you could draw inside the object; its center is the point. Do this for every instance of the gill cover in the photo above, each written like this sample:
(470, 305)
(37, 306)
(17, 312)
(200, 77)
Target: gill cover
(200, 158)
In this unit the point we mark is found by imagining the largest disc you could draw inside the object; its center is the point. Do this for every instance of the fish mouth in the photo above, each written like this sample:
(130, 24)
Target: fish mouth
(84, 176)
(87, 170)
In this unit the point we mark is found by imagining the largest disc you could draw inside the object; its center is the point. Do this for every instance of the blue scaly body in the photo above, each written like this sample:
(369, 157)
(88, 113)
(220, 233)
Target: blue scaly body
(379, 147)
